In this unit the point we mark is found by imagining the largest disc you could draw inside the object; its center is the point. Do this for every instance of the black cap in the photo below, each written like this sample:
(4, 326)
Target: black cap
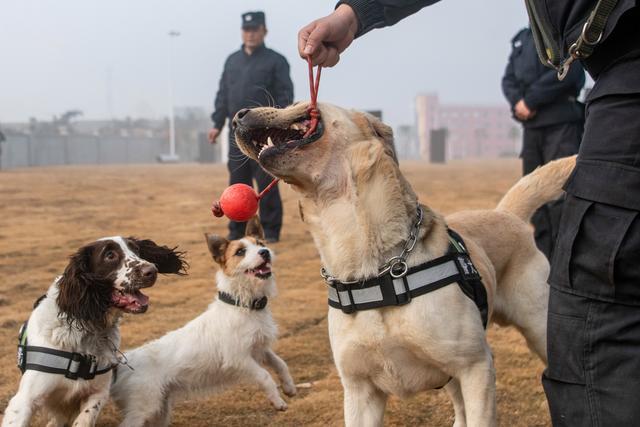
(253, 20)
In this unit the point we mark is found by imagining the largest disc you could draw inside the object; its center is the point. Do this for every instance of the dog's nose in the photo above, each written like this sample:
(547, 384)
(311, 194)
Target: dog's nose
(265, 254)
(240, 115)
(149, 272)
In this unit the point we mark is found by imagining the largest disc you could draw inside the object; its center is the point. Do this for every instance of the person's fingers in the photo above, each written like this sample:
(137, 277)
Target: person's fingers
(303, 36)
(317, 35)
(321, 56)
(332, 57)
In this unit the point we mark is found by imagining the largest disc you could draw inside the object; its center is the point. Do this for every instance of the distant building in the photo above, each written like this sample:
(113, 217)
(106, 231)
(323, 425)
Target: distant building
(406, 142)
(473, 131)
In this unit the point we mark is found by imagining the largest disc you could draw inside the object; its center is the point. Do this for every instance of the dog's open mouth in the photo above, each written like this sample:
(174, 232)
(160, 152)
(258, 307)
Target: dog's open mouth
(263, 271)
(270, 141)
(130, 302)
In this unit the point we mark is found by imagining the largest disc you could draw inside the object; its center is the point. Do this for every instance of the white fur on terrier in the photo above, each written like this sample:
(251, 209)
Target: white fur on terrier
(223, 346)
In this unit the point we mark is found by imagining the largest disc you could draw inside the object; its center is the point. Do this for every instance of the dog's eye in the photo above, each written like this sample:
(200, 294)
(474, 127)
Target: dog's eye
(241, 252)
(110, 256)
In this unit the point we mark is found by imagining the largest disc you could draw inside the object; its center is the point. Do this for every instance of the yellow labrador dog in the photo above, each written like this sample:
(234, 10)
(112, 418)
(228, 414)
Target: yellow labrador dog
(361, 212)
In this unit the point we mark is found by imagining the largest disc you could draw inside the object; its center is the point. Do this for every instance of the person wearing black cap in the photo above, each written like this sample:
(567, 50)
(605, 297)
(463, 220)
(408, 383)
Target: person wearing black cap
(253, 76)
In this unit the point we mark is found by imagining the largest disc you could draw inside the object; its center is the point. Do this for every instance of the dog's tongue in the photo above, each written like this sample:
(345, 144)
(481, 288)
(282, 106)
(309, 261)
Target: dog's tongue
(263, 268)
(131, 300)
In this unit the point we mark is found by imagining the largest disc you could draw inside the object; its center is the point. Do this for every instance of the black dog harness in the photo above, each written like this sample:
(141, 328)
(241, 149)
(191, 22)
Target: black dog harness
(398, 287)
(256, 304)
(70, 364)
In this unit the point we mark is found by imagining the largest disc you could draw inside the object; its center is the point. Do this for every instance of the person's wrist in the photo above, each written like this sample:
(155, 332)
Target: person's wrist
(348, 16)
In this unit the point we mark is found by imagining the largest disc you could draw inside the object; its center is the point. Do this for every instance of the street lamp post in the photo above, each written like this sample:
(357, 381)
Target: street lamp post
(172, 157)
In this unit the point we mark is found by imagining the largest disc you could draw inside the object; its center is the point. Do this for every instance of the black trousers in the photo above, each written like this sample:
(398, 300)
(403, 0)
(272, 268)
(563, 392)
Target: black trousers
(244, 170)
(593, 330)
(540, 145)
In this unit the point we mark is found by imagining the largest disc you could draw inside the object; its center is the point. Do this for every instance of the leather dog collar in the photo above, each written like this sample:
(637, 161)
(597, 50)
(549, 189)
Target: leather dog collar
(256, 304)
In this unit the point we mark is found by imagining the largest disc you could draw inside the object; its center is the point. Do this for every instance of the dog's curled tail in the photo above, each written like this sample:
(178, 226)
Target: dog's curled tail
(539, 187)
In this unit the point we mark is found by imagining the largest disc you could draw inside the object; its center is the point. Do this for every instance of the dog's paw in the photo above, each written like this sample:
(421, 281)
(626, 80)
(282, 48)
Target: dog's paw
(279, 404)
(289, 389)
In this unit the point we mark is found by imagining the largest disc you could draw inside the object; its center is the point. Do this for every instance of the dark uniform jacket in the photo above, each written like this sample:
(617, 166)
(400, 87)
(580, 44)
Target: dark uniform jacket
(259, 79)
(526, 78)
(566, 16)
(605, 173)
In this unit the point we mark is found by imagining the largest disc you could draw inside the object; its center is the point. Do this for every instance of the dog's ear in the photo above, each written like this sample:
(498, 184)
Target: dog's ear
(217, 246)
(379, 130)
(83, 296)
(167, 260)
(254, 228)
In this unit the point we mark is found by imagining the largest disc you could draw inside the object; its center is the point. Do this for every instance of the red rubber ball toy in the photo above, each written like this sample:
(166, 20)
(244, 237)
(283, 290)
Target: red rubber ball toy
(239, 202)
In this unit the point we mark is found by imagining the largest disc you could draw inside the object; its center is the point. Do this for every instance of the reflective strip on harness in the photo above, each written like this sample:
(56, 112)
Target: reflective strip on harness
(454, 267)
(50, 360)
(415, 281)
(54, 361)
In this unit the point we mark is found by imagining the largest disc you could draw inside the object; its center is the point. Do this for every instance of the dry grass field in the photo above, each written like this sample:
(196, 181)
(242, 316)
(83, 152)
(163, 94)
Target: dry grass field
(47, 213)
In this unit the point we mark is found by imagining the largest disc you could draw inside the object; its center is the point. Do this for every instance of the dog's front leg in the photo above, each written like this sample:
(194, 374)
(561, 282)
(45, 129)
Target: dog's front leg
(478, 385)
(364, 403)
(278, 365)
(90, 409)
(21, 406)
(455, 393)
(262, 377)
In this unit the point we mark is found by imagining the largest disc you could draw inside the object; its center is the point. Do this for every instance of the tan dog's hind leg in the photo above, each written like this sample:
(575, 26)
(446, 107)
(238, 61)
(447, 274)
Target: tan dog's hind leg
(364, 404)
(521, 300)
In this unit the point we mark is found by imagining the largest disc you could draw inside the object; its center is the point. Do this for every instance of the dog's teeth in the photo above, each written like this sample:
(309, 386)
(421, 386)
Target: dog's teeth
(295, 126)
(255, 142)
(269, 142)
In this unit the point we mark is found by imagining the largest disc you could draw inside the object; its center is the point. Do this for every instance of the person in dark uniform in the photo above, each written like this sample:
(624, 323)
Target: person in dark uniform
(551, 117)
(253, 76)
(593, 375)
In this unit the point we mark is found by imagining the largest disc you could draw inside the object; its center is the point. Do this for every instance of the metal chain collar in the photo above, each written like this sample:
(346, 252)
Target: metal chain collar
(396, 266)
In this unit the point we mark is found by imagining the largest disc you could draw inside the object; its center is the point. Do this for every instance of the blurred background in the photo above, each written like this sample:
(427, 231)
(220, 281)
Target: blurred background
(96, 82)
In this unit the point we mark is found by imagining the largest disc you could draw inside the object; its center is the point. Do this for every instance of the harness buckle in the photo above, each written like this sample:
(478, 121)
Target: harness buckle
(93, 367)
(346, 308)
(403, 299)
(74, 366)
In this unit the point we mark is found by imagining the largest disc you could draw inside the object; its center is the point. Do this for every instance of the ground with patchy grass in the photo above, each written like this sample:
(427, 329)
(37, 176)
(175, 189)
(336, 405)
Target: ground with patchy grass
(47, 213)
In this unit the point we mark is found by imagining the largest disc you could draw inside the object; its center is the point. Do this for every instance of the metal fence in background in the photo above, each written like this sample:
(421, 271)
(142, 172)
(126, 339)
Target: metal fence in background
(46, 150)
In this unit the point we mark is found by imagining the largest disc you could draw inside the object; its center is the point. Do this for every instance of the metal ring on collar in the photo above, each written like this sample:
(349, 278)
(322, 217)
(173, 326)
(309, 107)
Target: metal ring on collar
(394, 272)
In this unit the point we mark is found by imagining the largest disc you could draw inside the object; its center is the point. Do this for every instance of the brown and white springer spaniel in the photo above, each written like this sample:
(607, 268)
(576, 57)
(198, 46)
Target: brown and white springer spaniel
(80, 314)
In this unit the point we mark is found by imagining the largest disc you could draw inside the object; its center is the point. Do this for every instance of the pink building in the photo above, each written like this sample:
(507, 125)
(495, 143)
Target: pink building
(480, 131)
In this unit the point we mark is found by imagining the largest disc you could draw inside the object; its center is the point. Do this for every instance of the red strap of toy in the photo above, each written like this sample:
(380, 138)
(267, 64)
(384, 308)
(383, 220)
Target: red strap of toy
(313, 105)
(313, 112)
(268, 187)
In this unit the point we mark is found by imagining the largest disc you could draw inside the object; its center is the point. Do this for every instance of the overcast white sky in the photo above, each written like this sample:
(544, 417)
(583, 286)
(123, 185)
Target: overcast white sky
(58, 55)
